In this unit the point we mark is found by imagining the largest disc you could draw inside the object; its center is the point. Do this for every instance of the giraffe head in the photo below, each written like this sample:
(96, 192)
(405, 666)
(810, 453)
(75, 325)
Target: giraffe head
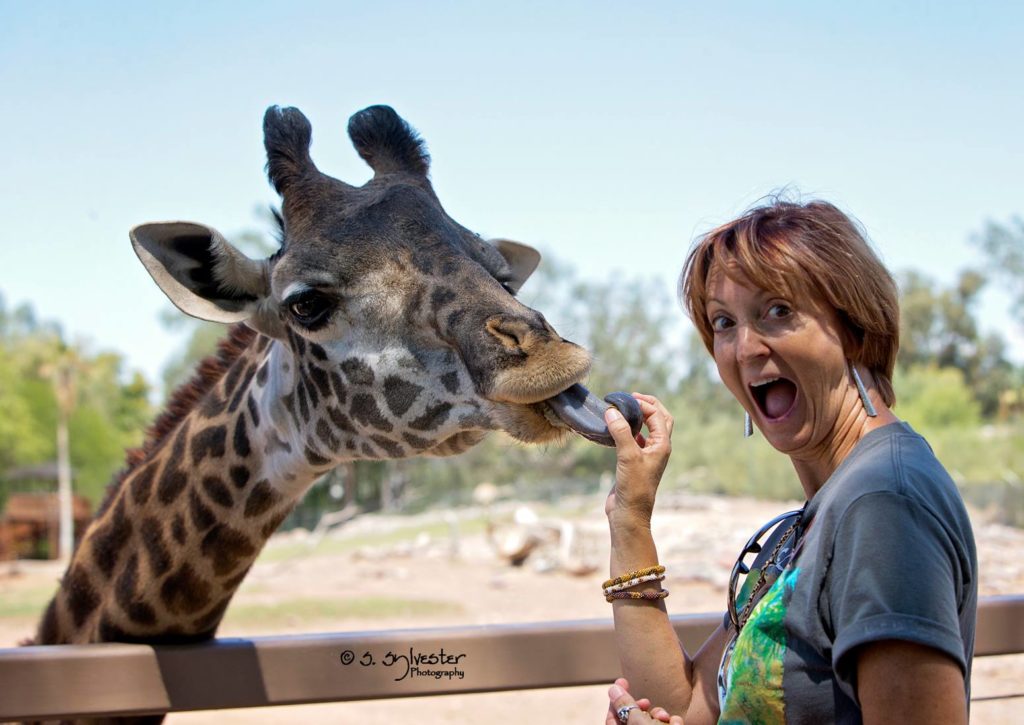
(389, 319)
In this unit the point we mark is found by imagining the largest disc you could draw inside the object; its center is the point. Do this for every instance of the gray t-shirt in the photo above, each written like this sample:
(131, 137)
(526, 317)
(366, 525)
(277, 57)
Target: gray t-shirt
(885, 552)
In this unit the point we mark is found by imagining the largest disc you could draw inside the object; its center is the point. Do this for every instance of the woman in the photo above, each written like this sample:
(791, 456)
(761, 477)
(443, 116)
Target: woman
(861, 606)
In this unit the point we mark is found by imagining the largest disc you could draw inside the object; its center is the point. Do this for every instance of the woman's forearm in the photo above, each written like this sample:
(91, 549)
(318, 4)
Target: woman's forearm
(652, 658)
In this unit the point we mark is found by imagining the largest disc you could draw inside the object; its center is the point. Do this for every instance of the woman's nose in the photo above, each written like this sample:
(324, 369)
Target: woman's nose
(749, 344)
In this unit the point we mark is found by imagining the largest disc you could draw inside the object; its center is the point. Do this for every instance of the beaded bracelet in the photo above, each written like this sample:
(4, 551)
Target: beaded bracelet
(637, 596)
(633, 582)
(657, 569)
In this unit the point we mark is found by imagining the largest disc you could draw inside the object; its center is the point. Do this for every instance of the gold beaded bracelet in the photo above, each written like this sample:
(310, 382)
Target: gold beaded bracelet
(637, 596)
(657, 569)
(634, 582)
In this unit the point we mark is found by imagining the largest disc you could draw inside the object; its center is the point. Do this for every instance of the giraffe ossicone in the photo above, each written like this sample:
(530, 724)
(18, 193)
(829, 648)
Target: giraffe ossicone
(380, 329)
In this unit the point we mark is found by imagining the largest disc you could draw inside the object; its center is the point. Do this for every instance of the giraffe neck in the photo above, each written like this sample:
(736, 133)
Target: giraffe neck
(176, 537)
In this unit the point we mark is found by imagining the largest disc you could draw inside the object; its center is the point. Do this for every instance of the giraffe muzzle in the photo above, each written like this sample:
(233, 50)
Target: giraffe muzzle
(582, 412)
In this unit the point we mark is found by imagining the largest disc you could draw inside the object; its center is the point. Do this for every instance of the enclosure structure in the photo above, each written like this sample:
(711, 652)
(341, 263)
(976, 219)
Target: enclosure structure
(123, 679)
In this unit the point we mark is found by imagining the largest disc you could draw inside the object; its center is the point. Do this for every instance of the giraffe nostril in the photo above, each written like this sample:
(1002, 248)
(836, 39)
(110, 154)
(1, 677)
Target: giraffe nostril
(512, 334)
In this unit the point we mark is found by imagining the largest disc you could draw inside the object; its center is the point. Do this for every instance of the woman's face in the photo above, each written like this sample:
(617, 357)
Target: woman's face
(783, 359)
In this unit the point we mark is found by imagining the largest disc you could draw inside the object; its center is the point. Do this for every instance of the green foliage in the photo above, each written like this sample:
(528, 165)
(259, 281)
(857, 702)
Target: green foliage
(106, 412)
(929, 398)
(938, 328)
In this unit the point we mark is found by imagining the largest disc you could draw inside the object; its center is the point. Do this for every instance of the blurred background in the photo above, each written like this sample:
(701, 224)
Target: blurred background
(607, 135)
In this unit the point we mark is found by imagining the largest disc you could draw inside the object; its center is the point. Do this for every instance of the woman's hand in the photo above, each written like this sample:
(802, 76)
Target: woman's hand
(640, 462)
(619, 697)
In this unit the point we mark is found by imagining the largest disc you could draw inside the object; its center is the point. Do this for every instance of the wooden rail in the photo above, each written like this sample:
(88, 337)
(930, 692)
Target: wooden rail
(123, 679)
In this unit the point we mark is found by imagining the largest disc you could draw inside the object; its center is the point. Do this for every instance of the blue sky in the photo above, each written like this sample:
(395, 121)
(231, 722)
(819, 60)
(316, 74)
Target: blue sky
(607, 133)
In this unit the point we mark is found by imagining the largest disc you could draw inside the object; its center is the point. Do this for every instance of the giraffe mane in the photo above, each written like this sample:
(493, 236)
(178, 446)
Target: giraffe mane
(182, 401)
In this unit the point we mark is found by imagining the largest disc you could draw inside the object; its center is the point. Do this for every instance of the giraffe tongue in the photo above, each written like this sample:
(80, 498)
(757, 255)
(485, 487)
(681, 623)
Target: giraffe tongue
(581, 411)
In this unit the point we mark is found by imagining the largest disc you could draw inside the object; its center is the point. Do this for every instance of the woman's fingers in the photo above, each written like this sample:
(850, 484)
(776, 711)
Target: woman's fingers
(619, 429)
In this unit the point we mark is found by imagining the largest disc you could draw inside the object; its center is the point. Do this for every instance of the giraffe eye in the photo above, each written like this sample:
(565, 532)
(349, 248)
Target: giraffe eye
(310, 308)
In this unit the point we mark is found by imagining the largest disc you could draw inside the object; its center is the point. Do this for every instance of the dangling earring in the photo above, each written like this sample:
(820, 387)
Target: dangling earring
(869, 407)
(748, 425)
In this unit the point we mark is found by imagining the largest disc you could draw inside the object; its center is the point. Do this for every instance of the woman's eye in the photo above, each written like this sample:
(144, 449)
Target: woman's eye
(720, 323)
(310, 308)
(779, 310)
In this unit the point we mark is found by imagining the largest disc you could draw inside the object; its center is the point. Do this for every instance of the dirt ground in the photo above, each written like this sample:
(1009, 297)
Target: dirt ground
(415, 572)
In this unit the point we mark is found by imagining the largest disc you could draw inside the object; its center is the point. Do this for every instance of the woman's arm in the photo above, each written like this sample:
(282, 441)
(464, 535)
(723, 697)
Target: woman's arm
(652, 658)
(909, 683)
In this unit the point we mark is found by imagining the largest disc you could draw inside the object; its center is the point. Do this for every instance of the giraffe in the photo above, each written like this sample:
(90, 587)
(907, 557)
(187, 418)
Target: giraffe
(381, 329)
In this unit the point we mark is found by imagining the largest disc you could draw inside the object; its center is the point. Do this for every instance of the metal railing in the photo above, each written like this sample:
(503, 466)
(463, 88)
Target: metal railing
(135, 679)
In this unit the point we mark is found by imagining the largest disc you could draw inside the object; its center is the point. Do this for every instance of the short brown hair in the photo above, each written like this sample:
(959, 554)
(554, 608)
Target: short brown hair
(798, 249)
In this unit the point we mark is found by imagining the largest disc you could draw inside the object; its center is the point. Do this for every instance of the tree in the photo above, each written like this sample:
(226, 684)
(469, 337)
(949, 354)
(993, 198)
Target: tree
(48, 385)
(939, 328)
(1003, 248)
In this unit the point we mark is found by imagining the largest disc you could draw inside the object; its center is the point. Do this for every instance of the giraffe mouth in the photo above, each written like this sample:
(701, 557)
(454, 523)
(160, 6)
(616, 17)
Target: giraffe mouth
(581, 411)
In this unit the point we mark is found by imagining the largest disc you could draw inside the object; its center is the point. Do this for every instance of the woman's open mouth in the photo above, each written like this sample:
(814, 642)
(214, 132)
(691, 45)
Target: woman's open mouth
(775, 397)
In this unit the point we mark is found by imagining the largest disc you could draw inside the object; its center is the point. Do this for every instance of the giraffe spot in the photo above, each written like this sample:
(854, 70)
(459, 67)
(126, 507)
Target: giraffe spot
(400, 394)
(415, 304)
(109, 540)
(350, 444)
(434, 416)
(315, 459)
(226, 548)
(125, 592)
(450, 381)
(340, 394)
(276, 520)
(49, 632)
(142, 484)
(208, 623)
(326, 434)
(318, 352)
(387, 445)
(298, 344)
(289, 404)
(454, 318)
(239, 476)
(172, 483)
(178, 528)
(243, 386)
(217, 491)
(321, 380)
(110, 632)
(183, 592)
(416, 442)
(364, 409)
(261, 343)
(212, 405)
(340, 420)
(440, 297)
(303, 406)
(82, 597)
(240, 439)
(262, 498)
(202, 516)
(172, 479)
(475, 420)
(262, 374)
(314, 398)
(254, 411)
(233, 582)
(210, 441)
(357, 372)
(153, 539)
(231, 379)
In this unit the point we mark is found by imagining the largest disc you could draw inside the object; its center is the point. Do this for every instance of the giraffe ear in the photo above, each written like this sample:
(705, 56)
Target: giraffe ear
(521, 258)
(200, 271)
